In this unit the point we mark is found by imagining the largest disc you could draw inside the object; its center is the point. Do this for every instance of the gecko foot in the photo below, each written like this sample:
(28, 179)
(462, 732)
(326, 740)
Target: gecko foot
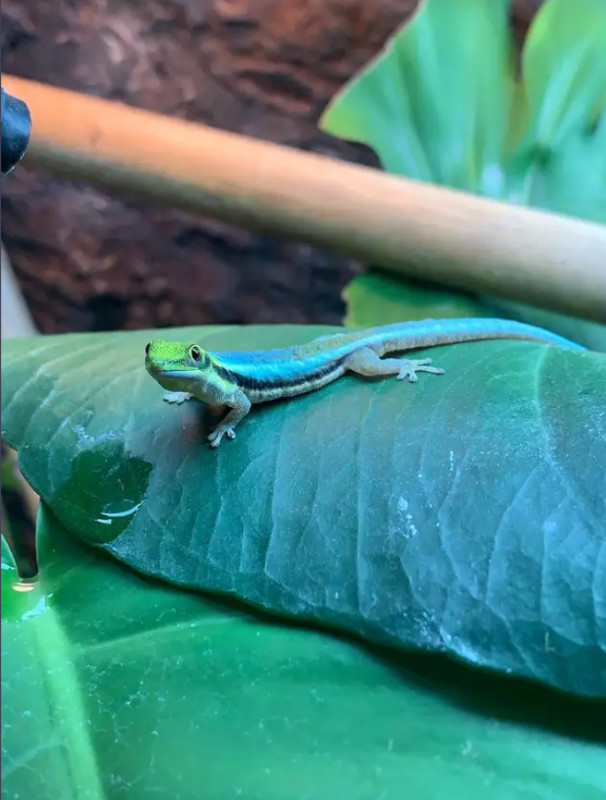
(177, 397)
(409, 369)
(214, 437)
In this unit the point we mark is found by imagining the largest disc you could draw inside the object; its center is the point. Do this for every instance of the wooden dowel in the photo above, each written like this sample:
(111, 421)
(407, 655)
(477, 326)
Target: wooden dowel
(414, 228)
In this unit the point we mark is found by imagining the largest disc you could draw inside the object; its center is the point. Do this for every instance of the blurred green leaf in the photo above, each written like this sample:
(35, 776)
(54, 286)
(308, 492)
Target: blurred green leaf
(560, 160)
(8, 562)
(115, 687)
(463, 514)
(590, 334)
(433, 104)
(375, 295)
(438, 107)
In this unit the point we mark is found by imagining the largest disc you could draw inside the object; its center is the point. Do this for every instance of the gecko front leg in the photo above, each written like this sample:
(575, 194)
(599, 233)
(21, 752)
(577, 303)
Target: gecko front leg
(366, 362)
(240, 406)
(177, 397)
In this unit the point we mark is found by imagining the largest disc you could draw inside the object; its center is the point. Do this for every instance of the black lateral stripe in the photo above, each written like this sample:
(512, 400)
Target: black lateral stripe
(225, 373)
(247, 382)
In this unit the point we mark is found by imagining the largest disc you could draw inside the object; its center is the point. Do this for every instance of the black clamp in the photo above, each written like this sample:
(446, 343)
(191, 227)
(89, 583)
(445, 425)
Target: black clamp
(16, 128)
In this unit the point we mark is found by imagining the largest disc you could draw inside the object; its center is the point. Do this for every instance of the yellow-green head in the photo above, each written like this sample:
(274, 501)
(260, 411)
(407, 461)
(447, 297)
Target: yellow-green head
(176, 366)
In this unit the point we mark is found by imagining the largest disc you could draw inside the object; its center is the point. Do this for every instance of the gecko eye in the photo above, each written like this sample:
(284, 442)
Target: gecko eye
(147, 348)
(195, 353)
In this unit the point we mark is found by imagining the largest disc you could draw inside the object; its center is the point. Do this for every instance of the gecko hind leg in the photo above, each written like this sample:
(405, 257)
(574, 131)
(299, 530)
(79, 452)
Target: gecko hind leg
(366, 362)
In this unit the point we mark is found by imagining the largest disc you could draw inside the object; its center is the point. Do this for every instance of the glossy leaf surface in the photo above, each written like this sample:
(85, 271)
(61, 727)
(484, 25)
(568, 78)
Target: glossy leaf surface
(118, 688)
(462, 514)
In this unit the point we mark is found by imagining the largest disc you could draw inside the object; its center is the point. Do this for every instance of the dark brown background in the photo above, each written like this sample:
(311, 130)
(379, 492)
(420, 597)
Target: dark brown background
(266, 68)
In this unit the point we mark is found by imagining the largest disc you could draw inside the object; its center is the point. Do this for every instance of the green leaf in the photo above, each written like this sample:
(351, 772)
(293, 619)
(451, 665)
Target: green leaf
(591, 334)
(433, 105)
(376, 298)
(8, 562)
(464, 514)
(115, 687)
(46, 747)
(436, 107)
(560, 160)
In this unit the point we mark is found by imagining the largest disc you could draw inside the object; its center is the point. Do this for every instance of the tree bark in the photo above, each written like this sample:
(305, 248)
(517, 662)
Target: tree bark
(267, 68)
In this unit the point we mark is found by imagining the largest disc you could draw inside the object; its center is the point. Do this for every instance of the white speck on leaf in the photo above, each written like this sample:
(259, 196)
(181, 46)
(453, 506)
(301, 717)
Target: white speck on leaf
(411, 528)
(402, 504)
(467, 748)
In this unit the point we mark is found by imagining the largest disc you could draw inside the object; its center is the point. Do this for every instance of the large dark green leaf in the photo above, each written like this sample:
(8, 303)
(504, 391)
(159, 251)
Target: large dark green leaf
(117, 688)
(464, 514)
(437, 107)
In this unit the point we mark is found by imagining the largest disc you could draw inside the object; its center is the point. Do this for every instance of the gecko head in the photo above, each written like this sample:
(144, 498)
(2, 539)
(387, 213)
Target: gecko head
(176, 366)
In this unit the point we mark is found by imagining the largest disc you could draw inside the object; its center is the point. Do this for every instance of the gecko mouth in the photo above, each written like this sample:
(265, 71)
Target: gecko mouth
(170, 374)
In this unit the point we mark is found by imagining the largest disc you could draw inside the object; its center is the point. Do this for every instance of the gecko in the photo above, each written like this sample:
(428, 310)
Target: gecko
(237, 380)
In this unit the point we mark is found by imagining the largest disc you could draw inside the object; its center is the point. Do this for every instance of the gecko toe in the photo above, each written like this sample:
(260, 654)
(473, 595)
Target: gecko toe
(409, 369)
(215, 437)
(176, 397)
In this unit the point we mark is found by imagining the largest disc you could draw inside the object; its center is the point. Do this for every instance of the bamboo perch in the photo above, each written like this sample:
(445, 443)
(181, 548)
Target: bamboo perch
(413, 228)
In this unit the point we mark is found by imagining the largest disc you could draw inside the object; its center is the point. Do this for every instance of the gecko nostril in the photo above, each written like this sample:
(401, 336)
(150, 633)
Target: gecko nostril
(147, 349)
